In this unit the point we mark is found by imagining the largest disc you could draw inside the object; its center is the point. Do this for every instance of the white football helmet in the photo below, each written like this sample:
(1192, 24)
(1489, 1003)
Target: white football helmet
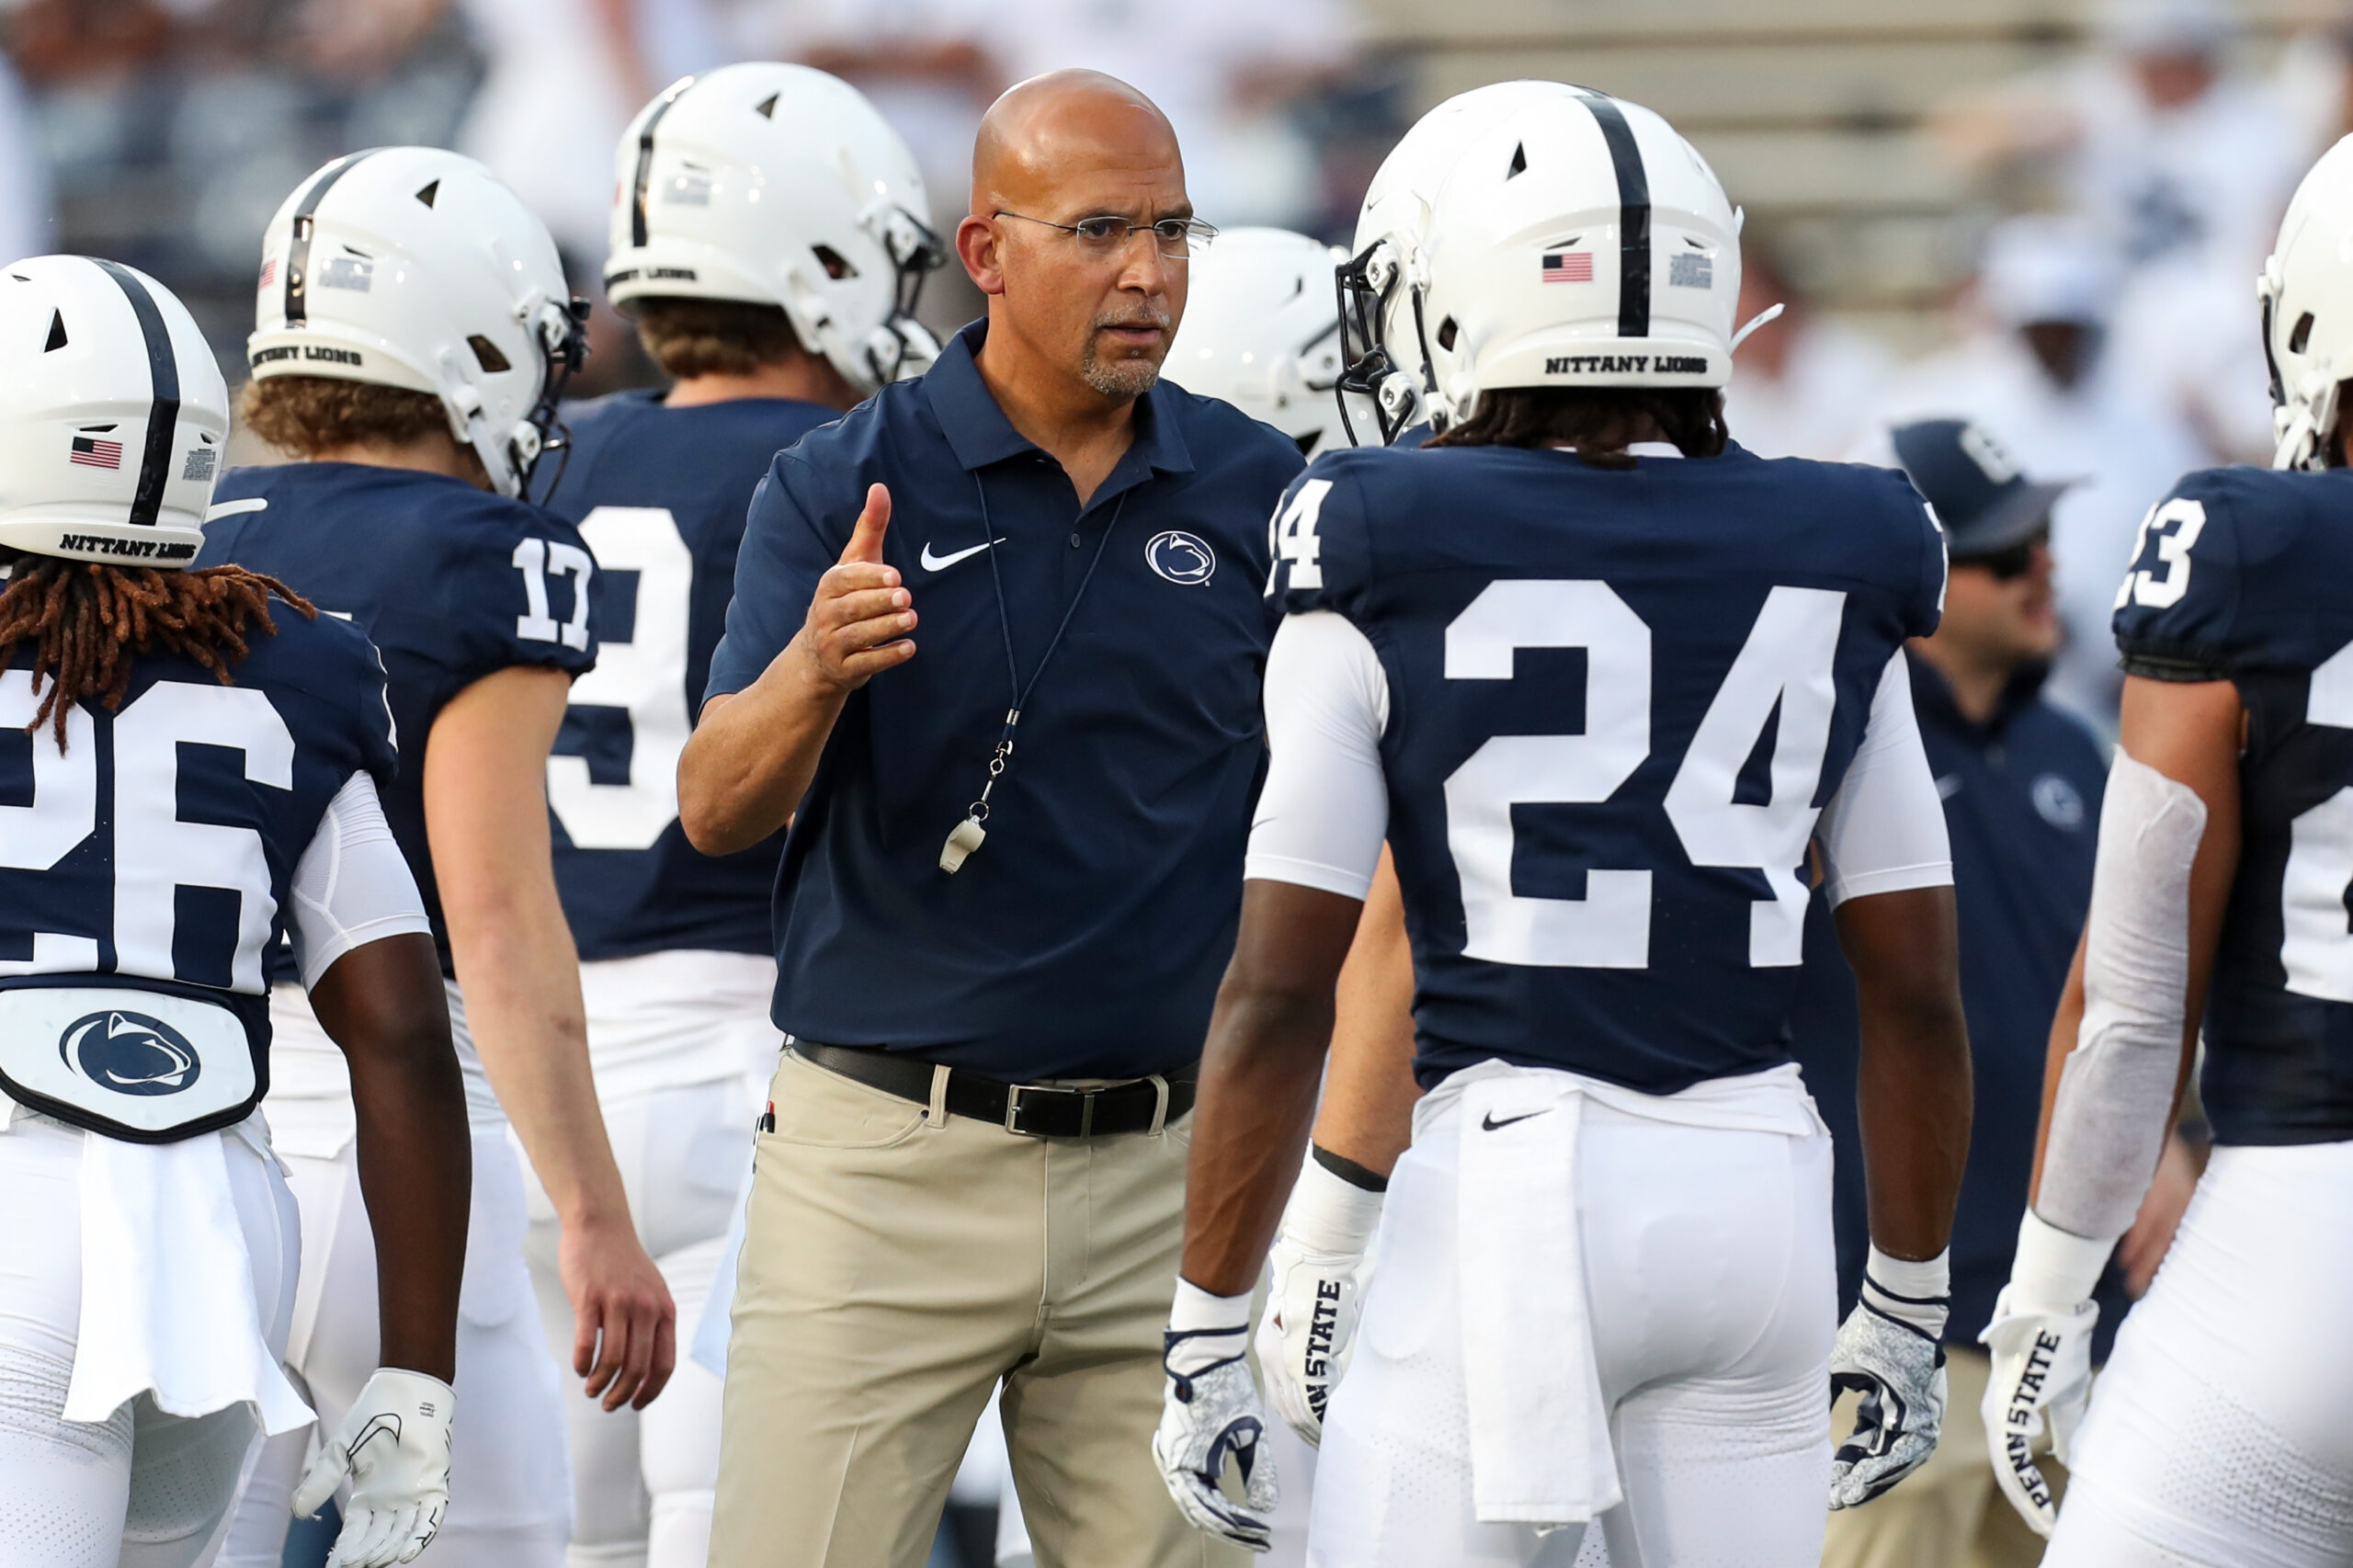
(113, 415)
(1581, 243)
(779, 185)
(415, 267)
(2306, 291)
(1261, 331)
(1386, 359)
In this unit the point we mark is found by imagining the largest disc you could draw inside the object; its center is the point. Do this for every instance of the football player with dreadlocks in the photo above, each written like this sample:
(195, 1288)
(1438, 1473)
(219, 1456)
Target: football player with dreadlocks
(413, 334)
(192, 759)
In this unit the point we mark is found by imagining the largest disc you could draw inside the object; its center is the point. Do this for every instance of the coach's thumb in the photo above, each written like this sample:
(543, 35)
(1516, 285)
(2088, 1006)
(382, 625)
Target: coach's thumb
(866, 538)
(327, 1473)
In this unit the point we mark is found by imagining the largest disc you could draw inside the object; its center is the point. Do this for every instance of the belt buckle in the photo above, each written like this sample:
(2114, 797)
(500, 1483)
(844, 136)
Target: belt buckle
(1016, 1092)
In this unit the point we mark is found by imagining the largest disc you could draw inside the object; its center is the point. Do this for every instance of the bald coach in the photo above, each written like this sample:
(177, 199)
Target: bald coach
(995, 652)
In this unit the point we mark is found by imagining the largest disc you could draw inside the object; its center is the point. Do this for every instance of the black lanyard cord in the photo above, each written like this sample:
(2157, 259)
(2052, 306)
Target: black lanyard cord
(1020, 689)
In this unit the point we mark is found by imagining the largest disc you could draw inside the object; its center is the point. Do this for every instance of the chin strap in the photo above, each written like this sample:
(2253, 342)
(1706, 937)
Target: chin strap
(1769, 314)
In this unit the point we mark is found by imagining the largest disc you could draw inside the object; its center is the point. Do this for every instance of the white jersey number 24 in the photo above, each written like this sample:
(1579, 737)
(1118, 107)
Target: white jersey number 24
(1785, 663)
(646, 677)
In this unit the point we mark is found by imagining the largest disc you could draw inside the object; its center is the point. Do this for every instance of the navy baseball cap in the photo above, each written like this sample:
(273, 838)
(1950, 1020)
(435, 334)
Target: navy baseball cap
(1984, 501)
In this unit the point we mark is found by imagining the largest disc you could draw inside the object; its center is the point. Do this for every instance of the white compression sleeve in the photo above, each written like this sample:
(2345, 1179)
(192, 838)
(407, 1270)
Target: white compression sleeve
(1324, 809)
(352, 886)
(2108, 1122)
(1884, 830)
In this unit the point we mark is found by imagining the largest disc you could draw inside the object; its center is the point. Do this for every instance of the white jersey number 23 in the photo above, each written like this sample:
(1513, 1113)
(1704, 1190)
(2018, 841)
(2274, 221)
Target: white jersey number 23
(646, 677)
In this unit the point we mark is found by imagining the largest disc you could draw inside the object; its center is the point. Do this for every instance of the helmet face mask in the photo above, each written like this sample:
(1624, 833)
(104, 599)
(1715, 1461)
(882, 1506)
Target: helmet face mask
(113, 416)
(779, 185)
(416, 267)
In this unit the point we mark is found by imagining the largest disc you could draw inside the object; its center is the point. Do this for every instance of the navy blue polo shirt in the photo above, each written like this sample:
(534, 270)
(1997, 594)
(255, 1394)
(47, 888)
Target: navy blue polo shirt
(1085, 938)
(2022, 794)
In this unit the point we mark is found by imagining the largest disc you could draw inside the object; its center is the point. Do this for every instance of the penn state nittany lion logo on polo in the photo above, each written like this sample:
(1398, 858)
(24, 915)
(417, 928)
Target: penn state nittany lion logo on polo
(1180, 557)
(129, 1053)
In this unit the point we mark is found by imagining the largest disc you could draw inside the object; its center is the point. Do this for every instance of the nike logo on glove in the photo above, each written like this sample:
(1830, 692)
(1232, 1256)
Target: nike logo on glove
(942, 562)
(1490, 1124)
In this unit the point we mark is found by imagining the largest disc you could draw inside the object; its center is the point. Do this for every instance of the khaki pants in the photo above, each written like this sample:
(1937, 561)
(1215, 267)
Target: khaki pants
(1946, 1514)
(898, 1263)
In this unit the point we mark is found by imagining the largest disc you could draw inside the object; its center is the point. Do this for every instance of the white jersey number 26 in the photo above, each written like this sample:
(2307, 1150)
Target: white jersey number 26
(1785, 663)
(646, 677)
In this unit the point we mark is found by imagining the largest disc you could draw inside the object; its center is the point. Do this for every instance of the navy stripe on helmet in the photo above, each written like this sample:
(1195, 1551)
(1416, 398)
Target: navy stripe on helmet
(1633, 216)
(164, 413)
(661, 105)
(298, 255)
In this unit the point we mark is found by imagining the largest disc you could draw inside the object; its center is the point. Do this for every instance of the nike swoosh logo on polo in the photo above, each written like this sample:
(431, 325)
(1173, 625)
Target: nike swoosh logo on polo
(942, 562)
(1948, 786)
(1490, 1124)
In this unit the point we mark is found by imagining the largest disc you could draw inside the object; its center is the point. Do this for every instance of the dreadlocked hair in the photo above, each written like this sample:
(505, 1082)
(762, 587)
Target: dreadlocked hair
(86, 621)
(1598, 422)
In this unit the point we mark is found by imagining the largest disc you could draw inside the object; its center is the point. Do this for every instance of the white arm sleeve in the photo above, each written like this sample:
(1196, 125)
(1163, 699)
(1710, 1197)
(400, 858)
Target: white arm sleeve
(2115, 1095)
(1324, 809)
(352, 886)
(1884, 830)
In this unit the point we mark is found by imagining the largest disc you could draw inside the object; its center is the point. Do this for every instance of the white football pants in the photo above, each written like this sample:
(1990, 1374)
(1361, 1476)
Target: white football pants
(1713, 1300)
(142, 1489)
(2220, 1435)
(510, 1484)
(674, 1038)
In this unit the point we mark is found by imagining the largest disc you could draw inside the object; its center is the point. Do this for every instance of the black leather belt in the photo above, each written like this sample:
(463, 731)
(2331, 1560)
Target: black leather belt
(1034, 1111)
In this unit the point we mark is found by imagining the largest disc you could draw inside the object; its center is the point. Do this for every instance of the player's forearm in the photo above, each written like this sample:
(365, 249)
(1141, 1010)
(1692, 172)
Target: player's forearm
(1914, 1091)
(520, 977)
(1259, 1074)
(1367, 1117)
(752, 754)
(416, 1173)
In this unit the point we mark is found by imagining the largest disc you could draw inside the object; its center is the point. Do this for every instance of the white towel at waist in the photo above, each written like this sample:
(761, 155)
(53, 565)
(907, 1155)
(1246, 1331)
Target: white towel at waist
(169, 1283)
(1539, 1426)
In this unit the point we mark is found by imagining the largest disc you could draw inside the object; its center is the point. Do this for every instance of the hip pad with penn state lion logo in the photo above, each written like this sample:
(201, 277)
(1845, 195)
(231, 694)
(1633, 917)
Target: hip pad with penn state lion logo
(146, 1066)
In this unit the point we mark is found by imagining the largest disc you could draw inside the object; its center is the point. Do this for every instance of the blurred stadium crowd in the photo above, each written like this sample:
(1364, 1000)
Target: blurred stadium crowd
(2113, 169)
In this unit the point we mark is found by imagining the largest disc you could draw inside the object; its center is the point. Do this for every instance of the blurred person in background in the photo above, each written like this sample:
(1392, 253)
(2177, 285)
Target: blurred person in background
(1803, 386)
(2155, 137)
(2034, 369)
(2021, 783)
(767, 240)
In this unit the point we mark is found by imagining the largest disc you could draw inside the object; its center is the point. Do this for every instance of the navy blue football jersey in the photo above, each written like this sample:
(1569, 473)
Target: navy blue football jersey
(1617, 701)
(659, 493)
(2242, 575)
(451, 582)
(158, 844)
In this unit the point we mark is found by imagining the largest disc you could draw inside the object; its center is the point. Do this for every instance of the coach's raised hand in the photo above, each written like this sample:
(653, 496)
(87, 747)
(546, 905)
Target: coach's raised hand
(858, 621)
(753, 752)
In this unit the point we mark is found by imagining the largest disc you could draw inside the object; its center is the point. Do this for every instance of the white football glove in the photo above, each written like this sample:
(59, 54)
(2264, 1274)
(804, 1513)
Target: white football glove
(2042, 1342)
(1319, 1275)
(1210, 1413)
(1890, 1349)
(395, 1445)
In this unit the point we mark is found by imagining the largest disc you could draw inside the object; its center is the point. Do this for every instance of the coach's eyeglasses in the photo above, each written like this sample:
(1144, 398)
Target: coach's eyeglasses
(1106, 236)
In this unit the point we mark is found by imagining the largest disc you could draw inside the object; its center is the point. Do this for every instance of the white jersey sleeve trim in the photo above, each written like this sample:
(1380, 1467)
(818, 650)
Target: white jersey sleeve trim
(1324, 809)
(352, 886)
(1884, 830)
